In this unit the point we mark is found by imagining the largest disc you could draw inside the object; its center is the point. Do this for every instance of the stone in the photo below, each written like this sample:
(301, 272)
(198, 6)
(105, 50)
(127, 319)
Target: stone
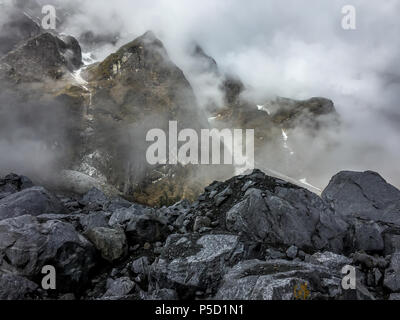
(291, 252)
(110, 242)
(195, 262)
(392, 274)
(33, 201)
(276, 280)
(117, 289)
(330, 260)
(201, 222)
(27, 245)
(364, 194)
(14, 287)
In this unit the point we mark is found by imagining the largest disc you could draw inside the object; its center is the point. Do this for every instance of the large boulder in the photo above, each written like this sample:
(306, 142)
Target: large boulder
(191, 262)
(27, 245)
(33, 201)
(363, 194)
(279, 280)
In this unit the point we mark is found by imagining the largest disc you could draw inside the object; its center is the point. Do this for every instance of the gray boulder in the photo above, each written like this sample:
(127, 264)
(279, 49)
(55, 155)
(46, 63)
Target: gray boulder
(287, 216)
(27, 245)
(33, 201)
(278, 280)
(192, 262)
(140, 224)
(110, 242)
(363, 194)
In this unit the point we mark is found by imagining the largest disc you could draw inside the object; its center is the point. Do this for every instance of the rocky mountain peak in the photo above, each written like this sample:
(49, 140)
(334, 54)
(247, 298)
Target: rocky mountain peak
(43, 56)
(138, 59)
(20, 27)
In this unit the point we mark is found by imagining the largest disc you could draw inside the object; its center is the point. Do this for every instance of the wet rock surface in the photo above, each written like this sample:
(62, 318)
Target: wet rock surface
(268, 239)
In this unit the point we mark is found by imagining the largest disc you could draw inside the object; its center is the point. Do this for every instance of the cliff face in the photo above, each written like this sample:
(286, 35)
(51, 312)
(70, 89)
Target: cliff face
(136, 89)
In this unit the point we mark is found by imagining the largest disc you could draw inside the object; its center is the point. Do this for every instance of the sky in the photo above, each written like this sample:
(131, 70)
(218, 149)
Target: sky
(291, 48)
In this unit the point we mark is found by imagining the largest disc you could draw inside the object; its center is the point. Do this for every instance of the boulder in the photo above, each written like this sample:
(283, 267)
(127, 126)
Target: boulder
(14, 287)
(190, 263)
(363, 194)
(279, 280)
(33, 201)
(273, 218)
(110, 242)
(27, 245)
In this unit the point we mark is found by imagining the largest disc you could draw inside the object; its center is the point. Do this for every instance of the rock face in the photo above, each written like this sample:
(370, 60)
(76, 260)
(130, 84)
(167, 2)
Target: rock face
(251, 237)
(134, 90)
(17, 29)
(41, 57)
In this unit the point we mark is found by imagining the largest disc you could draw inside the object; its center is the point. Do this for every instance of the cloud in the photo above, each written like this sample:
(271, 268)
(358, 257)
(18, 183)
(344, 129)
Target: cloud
(291, 48)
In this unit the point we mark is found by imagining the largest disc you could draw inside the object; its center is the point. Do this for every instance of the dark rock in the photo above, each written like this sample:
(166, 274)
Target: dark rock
(221, 197)
(272, 219)
(330, 260)
(14, 287)
(146, 228)
(191, 263)
(163, 294)
(363, 194)
(95, 199)
(119, 288)
(19, 28)
(394, 296)
(201, 222)
(140, 266)
(291, 252)
(392, 274)
(41, 57)
(277, 280)
(275, 254)
(94, 220)
(26, 246)
(33, 201)
(110, 242)
(367, 236)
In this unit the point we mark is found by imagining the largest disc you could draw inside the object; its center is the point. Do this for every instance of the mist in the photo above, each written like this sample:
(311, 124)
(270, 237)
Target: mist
(293, 48)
